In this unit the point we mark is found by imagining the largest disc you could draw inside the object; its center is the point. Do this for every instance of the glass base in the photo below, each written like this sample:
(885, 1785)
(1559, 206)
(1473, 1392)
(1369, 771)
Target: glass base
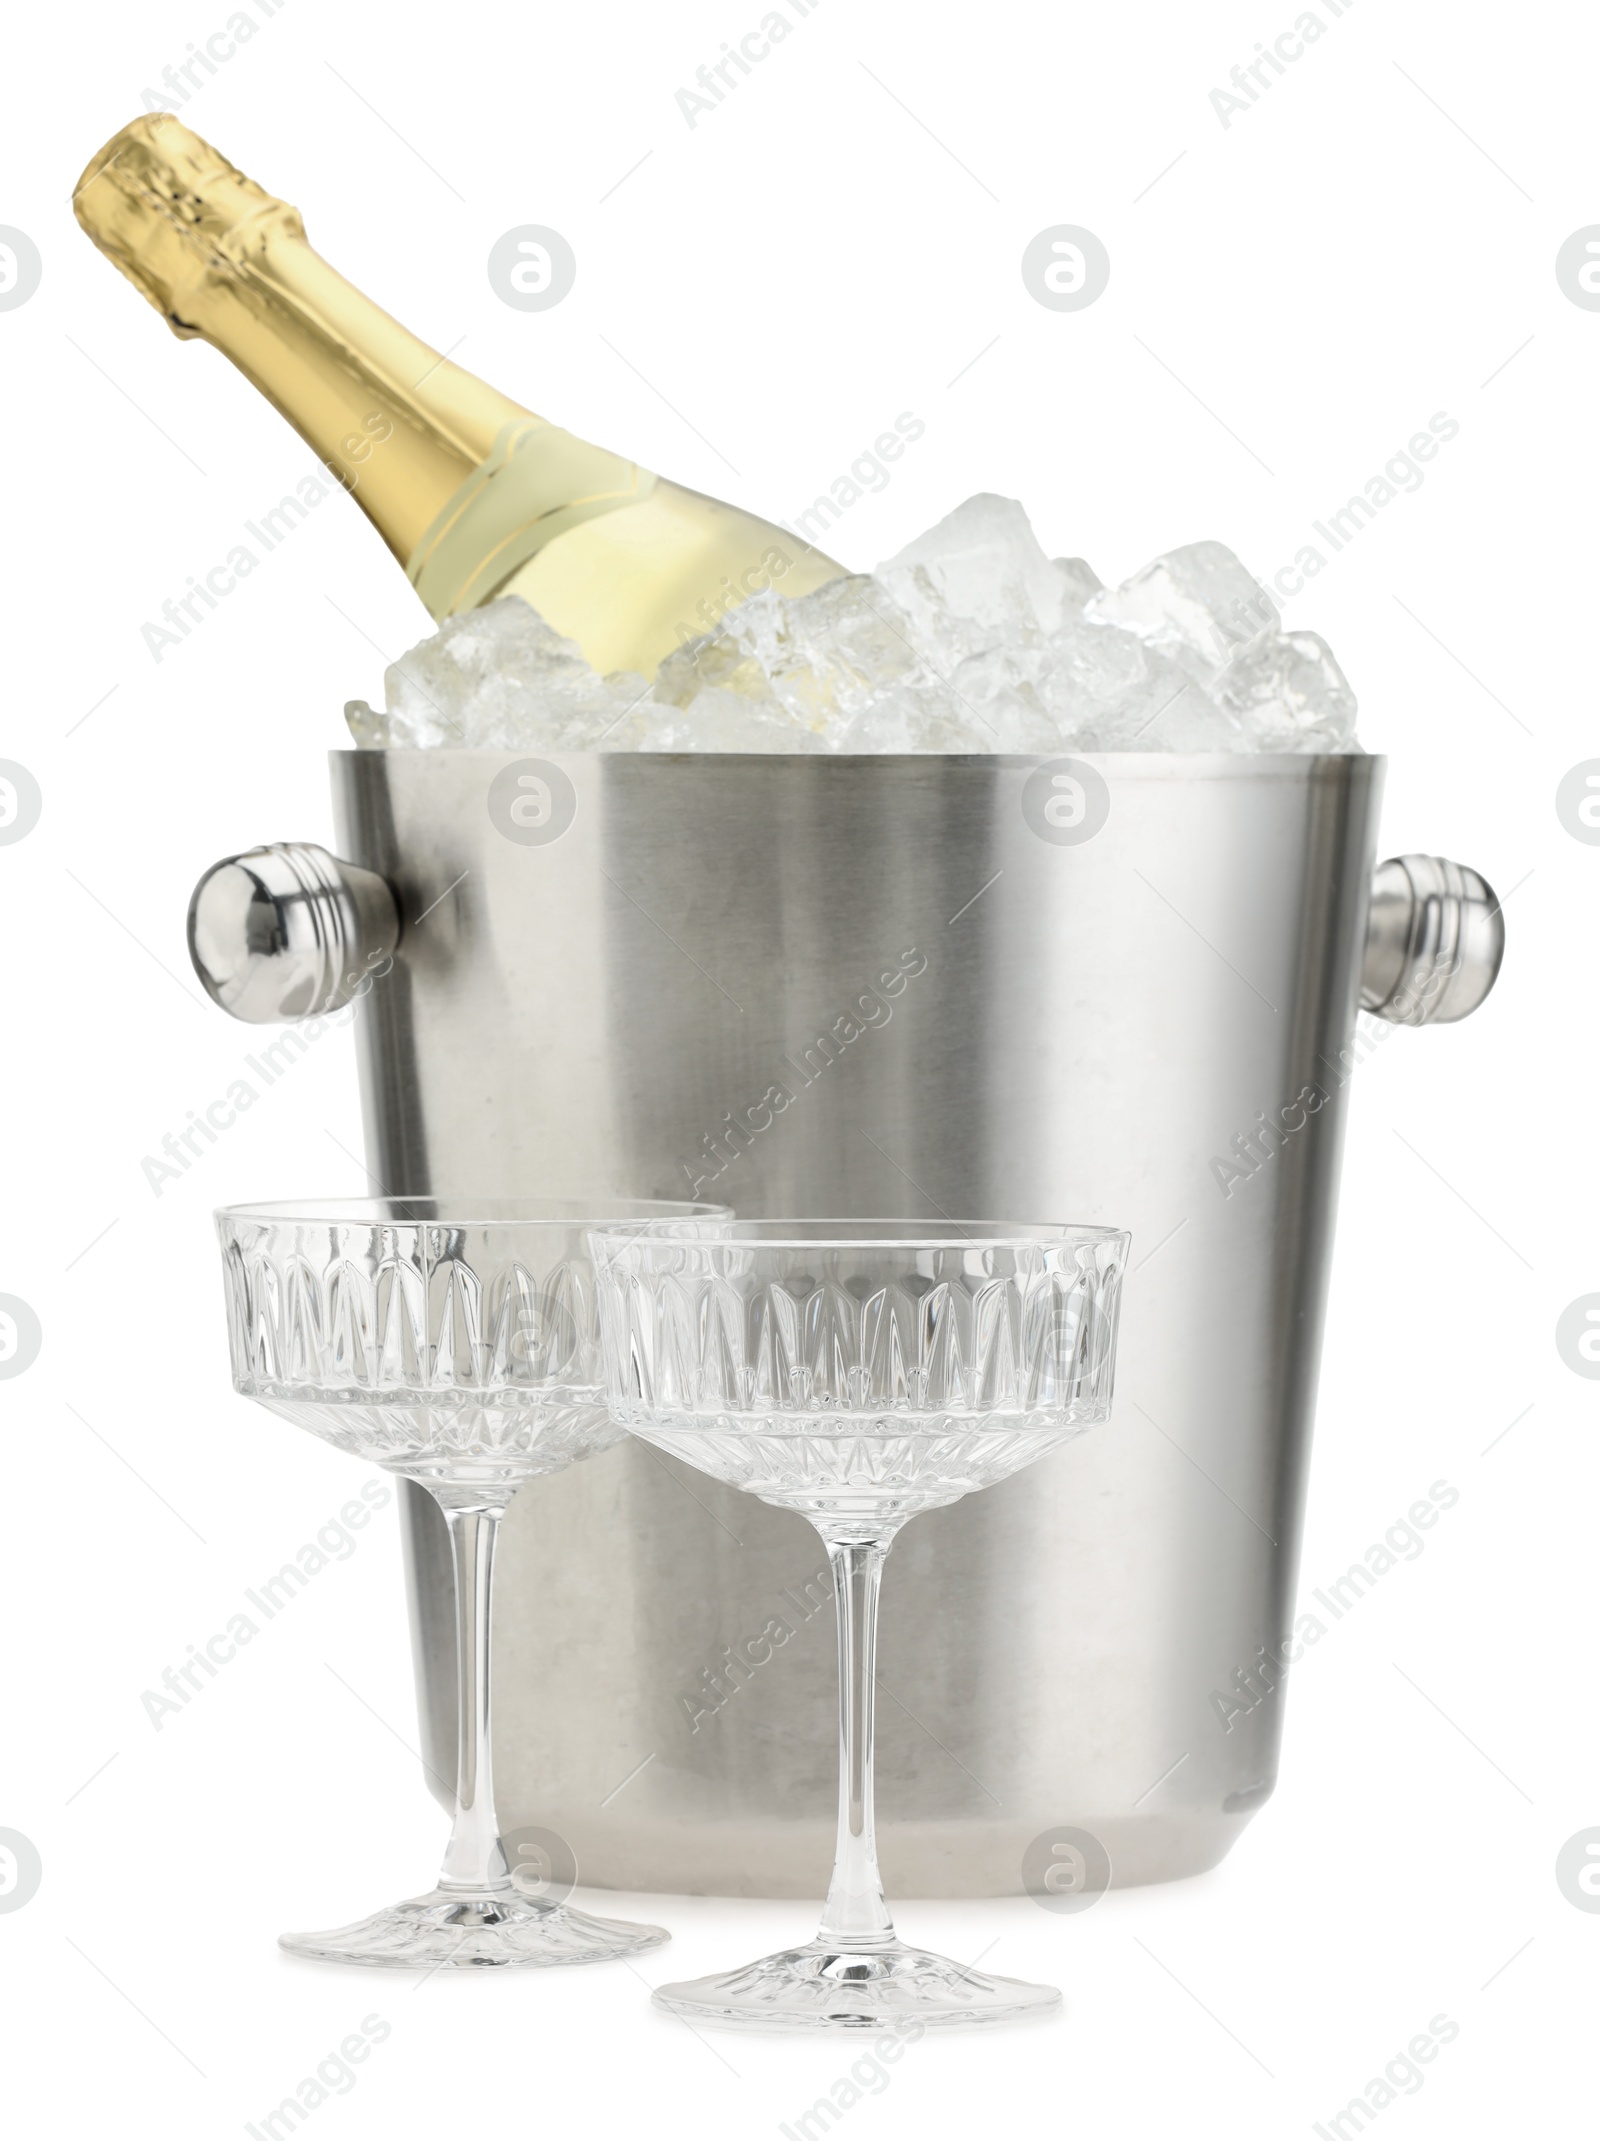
(821, 1987)
(455, 1929)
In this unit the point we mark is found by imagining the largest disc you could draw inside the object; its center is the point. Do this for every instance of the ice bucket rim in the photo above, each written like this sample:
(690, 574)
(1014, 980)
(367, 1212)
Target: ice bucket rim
(1146, 765)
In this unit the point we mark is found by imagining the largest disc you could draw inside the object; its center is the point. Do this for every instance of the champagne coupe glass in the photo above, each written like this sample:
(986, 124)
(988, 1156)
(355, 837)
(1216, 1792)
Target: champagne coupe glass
(454, 1343)
(859, 1371)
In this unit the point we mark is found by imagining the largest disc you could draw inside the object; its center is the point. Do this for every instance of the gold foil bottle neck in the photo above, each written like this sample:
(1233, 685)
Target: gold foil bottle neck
(174, 214)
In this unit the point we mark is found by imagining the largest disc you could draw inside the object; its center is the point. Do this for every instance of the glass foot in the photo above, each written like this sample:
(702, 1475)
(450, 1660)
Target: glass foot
(820, 1986)
(449, 1929)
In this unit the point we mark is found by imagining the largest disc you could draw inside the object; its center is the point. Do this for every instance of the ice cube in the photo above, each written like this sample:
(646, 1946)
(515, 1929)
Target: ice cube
(848, 642)
(371, 730)
(999, 704)
(1089, 667)
(1290, 695)
(977, 580)
(735, 657)
(906, 719)
(1168, 712)
(497, 678)
(1078, 579)
(1197, 603)
(821, 658)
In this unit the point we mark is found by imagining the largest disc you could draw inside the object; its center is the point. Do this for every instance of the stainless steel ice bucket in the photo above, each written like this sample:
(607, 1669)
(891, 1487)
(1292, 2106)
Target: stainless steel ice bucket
(1120, 989)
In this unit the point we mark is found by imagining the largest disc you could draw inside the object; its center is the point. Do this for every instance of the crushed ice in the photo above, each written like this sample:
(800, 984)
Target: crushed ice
(970, 640)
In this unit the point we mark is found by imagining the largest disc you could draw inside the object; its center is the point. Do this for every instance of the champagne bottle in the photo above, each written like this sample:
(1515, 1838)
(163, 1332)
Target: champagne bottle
(474, 495)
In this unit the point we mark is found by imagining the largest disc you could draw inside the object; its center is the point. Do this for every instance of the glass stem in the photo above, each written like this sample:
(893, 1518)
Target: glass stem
(474, 1859)
(856, 1915)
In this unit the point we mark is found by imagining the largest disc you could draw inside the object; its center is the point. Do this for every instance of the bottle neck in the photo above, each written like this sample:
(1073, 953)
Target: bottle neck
(401, 427)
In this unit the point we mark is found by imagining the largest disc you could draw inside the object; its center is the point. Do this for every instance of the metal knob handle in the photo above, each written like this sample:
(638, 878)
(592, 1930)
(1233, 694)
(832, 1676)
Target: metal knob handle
(289, 932)
(1435, 939)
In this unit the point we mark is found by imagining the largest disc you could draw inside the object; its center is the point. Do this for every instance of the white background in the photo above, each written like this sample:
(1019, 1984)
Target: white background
(1291, 298)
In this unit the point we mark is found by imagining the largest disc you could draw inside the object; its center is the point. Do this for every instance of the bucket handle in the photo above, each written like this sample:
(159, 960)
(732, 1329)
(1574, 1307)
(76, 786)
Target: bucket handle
(290, 932)
(1435, 937)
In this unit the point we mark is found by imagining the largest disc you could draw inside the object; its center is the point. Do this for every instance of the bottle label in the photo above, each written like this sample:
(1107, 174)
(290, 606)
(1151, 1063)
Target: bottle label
(537, 483)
